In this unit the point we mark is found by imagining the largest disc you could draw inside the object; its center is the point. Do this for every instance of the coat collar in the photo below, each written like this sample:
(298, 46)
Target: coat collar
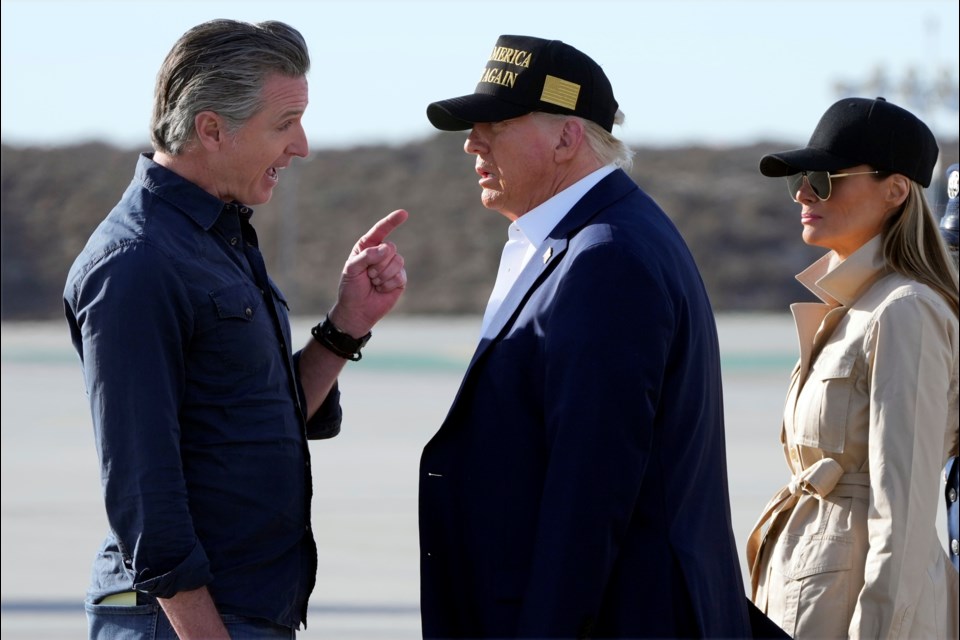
(841, 283)
(838, 285)
(609, 189)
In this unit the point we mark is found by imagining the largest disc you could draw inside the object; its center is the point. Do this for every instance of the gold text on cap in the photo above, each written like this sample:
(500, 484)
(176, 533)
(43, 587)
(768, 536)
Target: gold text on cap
(499, 76)
(516, 57)
(505, 77)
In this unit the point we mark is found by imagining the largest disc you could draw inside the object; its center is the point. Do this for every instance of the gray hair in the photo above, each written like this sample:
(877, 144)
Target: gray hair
(604, 146)
(221, 66)
(607, 147)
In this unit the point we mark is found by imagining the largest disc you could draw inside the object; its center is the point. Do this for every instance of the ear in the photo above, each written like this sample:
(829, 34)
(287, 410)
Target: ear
(571, 137)
(211, 132)
(898, 187)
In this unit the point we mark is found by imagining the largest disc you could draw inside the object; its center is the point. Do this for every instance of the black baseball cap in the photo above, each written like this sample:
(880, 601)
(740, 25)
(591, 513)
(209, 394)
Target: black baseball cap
(526, 74)
(862, 131)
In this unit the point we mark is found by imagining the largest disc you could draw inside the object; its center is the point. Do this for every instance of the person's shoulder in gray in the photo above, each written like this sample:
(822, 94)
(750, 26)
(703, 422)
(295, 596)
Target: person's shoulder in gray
(201, 408)
(578, 486)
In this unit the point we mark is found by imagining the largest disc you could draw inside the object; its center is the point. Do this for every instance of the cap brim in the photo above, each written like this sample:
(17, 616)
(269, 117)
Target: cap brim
(457, 114)
(787, 163)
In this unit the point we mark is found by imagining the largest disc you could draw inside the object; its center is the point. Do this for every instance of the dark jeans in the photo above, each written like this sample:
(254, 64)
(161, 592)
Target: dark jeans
(148, 622)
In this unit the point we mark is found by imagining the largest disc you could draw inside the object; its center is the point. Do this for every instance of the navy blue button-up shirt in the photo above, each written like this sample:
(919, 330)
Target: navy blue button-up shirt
(196, 403)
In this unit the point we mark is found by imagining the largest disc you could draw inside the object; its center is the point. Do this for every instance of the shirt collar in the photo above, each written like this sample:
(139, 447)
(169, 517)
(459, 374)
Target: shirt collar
(193, 201)
(838, 282)
(537, 223)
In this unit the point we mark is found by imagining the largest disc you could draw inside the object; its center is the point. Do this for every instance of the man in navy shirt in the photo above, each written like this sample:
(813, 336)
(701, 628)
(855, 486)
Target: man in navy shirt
(201, 410)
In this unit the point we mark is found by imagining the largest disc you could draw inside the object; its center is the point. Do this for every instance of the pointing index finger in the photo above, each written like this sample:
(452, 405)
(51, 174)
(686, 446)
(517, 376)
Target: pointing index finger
(383, 228)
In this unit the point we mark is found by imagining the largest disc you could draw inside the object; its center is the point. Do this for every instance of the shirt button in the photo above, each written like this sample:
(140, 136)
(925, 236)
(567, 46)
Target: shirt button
(248, 312)
(955, 547)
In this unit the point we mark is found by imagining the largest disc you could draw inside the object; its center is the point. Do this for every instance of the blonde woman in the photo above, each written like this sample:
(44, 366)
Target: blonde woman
(849, 547)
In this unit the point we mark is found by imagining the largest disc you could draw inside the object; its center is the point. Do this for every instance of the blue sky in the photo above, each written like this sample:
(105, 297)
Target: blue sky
(684, 71)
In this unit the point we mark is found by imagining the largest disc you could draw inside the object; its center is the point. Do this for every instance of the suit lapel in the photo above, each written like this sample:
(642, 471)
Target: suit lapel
(551, 250)
(612, 188)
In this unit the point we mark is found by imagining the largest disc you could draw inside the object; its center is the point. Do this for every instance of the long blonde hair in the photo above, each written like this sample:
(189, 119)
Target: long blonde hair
(913, 247)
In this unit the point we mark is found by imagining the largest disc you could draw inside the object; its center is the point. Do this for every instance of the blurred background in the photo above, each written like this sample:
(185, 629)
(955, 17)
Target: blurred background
(708, 87)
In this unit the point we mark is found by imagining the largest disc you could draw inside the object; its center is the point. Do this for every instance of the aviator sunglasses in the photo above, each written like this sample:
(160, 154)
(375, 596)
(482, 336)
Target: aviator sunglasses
(819, 181)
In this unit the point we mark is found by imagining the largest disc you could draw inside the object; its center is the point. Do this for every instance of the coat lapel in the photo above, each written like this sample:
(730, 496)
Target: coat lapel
(551, 250)
(612, 188)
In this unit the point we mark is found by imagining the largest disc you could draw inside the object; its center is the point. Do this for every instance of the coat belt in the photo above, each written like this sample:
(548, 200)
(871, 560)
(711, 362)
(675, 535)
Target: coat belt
(821, 479)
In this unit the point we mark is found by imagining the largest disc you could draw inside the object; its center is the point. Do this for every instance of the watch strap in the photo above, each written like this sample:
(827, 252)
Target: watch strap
(340, 343)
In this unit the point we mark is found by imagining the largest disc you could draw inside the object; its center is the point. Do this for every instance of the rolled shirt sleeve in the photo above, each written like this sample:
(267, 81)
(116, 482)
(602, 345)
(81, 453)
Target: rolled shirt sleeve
(132, 315)
(325, 423)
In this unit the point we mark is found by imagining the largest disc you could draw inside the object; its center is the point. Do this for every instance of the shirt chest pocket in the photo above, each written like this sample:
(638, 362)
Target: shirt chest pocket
(244, 329)
(824, 405)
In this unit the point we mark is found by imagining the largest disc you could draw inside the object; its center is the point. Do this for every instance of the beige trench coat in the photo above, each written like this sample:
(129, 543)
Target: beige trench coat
(850, 547)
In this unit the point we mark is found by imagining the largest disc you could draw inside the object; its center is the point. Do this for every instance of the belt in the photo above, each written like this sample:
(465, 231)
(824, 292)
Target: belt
(821, 479)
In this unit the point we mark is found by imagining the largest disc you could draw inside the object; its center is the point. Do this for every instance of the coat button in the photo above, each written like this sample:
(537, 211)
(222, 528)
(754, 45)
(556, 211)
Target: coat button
(952, 495)
(248, 312)
(955, 547)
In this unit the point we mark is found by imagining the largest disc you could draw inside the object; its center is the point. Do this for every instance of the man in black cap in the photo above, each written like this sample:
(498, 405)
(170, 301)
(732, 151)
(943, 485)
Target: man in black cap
(578, 485)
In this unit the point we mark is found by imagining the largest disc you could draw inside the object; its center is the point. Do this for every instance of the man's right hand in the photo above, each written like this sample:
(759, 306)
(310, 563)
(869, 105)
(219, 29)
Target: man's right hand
(373, 279)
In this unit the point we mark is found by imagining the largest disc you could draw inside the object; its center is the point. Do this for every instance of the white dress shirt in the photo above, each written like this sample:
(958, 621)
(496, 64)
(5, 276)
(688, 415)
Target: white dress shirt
(527, 233)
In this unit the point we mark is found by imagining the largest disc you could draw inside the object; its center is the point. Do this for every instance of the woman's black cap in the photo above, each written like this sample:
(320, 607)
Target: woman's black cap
(857, 131)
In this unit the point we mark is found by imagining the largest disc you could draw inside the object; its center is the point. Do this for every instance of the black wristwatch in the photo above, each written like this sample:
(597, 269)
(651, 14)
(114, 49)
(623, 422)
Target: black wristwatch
(340, 343)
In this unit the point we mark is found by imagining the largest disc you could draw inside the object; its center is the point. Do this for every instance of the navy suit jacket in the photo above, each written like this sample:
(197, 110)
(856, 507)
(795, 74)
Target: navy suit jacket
(578, 485)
